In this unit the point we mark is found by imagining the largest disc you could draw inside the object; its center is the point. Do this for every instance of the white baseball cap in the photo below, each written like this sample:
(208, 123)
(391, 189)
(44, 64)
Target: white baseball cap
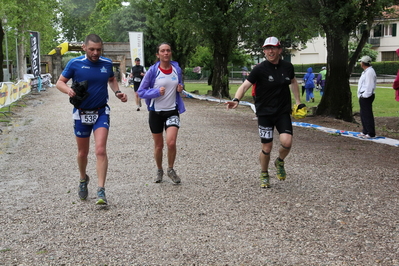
(365, 59)
(271, 41)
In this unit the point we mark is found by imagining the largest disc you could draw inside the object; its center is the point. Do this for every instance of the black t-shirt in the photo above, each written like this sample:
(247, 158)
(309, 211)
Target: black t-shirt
(137, 70)
(272, 93)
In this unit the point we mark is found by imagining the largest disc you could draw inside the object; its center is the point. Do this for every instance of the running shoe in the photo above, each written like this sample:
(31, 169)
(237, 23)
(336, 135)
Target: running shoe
(101, 199)
(264, 180)
(172, 174)
(83, 192)
(159, 177)
(281, 175)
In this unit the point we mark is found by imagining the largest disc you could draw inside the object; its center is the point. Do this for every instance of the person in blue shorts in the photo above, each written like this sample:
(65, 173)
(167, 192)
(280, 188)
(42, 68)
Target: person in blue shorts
(92, 114)
(273, 78)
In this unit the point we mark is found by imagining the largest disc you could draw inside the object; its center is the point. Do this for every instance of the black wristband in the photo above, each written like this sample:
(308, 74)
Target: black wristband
(117, 92)
(235, 100)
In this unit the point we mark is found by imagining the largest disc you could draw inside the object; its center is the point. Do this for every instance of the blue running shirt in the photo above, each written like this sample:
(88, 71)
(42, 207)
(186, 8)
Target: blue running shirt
(96, 74)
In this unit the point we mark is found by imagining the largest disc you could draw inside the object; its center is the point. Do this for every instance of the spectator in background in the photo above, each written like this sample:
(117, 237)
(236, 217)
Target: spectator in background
(396, 82)
(309, 84)
(365, 92)
(321, 80)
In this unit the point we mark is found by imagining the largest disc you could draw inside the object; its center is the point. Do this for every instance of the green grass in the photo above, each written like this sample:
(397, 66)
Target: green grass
(384, 104)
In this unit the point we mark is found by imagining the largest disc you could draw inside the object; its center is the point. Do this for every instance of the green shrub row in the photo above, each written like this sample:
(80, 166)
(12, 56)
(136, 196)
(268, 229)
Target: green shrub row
(381, 68)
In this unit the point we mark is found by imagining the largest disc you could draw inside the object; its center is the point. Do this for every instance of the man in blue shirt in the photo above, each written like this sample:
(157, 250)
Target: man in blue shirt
(92, 114)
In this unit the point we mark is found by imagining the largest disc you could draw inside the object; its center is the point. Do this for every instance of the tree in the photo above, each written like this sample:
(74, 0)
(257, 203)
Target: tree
(166, 22)
(101, 17)
(127, 18)
(219, 23)
(24, 16)
(1, 49)
(74, 18)
(339, 20)
(367, 50)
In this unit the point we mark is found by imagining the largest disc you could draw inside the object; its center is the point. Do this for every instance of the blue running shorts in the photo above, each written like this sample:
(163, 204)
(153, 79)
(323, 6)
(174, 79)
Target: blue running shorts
(86, 121)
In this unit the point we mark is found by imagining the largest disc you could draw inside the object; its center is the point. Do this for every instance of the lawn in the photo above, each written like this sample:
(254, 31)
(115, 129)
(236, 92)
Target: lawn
(384, 104)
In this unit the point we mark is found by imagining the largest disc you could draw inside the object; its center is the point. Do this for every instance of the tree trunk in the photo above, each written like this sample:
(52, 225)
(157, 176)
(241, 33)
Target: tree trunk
(210, 77)
(337, 98)
(1, 51)
(21, 58)
(220, 80)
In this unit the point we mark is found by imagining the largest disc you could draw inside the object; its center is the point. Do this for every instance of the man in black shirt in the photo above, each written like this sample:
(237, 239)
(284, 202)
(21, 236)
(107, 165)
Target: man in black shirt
(273, 78)
(137, 73)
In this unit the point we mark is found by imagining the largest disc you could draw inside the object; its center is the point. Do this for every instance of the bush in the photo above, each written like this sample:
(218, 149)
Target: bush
(381, 68)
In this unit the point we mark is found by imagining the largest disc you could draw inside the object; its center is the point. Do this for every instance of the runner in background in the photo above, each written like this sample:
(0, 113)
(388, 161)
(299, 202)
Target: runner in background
(137, 74)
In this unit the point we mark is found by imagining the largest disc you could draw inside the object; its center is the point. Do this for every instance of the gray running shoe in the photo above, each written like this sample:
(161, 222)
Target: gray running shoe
(159, 177)
(101, 199)
(172, 174)
(83, 191)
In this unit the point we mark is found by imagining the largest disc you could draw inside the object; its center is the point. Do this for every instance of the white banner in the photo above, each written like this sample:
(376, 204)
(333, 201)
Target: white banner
(136, 46)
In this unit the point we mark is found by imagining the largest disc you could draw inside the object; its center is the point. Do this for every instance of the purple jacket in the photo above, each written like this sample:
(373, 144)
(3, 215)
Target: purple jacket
(147, 92)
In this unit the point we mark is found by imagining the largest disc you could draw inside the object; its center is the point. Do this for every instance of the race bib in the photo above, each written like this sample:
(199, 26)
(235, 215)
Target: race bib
(89, 117)
(265, 132)
(173, 121)
(137, 79)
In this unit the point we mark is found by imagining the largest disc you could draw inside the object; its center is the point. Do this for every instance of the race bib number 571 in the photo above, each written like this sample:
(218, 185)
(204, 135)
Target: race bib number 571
(265, 132)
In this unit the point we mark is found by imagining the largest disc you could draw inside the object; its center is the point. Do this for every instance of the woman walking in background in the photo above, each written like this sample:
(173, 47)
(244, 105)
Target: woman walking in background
(161, 89)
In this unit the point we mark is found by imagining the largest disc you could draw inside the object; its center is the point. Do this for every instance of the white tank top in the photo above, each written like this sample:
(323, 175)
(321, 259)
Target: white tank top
(166, 102)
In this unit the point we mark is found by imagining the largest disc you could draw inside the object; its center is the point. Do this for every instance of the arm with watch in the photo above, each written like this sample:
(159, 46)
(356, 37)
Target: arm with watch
(113, 84)
(239, 94)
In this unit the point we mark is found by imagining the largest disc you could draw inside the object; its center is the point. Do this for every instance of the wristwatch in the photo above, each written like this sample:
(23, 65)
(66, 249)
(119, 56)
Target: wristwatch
(117, 92)
(235, 100)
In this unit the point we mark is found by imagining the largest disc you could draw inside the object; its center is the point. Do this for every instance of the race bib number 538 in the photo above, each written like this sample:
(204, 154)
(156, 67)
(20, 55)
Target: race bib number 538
(89, 117)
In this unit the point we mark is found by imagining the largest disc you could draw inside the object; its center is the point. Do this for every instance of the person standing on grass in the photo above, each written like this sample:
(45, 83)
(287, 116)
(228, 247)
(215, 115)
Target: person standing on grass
(309, 84)
(161, 89)
(396, 82)
(366, 94)
(93, 113)
(321, 80)
(273, 78)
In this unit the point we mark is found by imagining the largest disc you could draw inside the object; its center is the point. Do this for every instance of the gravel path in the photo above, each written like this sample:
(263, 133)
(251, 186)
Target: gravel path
(338, 206)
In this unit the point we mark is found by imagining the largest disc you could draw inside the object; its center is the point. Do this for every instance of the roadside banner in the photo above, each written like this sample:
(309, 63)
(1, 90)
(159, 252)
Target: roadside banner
(11, 92)
(35, 53)
(136, 46)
